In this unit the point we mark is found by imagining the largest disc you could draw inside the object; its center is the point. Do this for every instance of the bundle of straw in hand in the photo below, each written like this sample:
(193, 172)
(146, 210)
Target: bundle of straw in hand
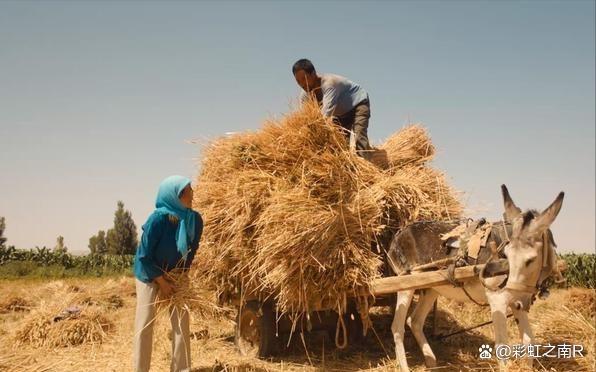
(191, 295)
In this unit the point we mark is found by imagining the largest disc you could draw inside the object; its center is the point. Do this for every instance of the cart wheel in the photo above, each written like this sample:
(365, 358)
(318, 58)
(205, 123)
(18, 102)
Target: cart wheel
(255, 329)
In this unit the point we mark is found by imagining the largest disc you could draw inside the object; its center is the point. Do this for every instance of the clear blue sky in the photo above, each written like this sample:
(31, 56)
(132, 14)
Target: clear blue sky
(99, 99)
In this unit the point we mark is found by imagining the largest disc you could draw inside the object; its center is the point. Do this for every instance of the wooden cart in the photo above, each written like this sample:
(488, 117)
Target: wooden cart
(260, 332)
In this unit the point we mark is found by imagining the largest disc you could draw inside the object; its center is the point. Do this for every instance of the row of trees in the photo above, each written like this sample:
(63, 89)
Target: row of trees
(118, 240)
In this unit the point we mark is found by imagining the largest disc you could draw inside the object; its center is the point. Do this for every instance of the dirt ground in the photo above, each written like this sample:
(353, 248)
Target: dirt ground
(568, 315)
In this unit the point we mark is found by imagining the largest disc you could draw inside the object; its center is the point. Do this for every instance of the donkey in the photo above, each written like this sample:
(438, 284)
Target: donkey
(524, 240)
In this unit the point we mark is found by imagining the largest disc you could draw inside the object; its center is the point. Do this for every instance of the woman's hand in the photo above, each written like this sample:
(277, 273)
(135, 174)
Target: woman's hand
(166, 288)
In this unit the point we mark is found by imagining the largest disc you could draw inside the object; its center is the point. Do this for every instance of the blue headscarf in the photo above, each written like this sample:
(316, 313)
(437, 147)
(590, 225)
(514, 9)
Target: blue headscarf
(168, 201)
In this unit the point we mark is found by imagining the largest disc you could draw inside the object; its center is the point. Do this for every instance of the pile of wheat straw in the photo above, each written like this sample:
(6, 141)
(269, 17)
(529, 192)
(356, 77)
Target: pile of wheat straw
(14, 302)
(290, 212)
(47, 325)
(41, 328)
(107, 296)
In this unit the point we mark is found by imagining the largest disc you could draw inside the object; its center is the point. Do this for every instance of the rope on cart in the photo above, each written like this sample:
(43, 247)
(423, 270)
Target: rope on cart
(340, 323)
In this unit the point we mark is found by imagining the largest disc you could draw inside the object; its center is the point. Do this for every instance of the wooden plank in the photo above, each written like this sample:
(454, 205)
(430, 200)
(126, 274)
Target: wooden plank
(430, 279)
(427, 279)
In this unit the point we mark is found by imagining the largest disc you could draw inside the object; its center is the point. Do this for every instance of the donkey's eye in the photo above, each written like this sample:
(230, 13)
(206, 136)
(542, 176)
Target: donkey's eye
(529, 261)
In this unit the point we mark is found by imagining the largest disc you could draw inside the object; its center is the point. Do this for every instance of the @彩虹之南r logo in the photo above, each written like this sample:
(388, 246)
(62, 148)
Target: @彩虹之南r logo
(485, 351)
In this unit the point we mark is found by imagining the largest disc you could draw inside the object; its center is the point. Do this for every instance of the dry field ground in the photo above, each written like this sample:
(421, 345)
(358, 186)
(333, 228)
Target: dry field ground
(568, 315)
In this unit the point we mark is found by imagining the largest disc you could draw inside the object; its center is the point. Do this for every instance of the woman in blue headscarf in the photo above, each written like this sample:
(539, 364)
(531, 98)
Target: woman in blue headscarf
(170, 239)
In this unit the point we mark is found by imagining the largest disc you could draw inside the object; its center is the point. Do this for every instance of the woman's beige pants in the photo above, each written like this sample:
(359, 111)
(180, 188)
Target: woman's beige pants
(143, 337)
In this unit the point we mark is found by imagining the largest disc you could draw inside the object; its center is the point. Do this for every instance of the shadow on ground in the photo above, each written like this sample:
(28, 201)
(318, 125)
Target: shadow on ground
(317, 351)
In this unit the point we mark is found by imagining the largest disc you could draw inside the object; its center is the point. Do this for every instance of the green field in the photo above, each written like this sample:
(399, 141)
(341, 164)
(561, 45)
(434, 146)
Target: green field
(44, 263)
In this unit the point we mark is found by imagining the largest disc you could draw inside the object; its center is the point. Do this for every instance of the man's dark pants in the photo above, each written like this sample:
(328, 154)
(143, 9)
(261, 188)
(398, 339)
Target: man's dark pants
(356, 122)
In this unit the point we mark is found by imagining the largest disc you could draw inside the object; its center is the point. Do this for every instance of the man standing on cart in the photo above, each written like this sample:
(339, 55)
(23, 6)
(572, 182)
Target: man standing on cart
(339, 98)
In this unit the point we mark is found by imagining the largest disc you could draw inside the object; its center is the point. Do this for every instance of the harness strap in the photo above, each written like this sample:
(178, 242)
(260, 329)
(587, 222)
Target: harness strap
(451, 275)
(496, 252)
(453, 282)
(470, 297)
(521, 287)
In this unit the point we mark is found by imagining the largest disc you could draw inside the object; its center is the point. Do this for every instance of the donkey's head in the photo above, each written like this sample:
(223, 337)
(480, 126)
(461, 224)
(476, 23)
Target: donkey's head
(530, 252)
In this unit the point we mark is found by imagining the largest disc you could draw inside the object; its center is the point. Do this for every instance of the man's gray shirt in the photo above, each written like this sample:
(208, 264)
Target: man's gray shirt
(340, 95)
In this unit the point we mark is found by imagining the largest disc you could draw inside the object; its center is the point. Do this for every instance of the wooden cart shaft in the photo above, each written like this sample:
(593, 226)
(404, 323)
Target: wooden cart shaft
(436, 278)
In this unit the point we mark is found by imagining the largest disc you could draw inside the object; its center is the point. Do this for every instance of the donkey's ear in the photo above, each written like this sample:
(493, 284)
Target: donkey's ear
(511, 210)
(547, 217)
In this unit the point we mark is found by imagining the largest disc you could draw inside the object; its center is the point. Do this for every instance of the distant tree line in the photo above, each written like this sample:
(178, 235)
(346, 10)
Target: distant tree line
(111, 254)
(120, 239)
